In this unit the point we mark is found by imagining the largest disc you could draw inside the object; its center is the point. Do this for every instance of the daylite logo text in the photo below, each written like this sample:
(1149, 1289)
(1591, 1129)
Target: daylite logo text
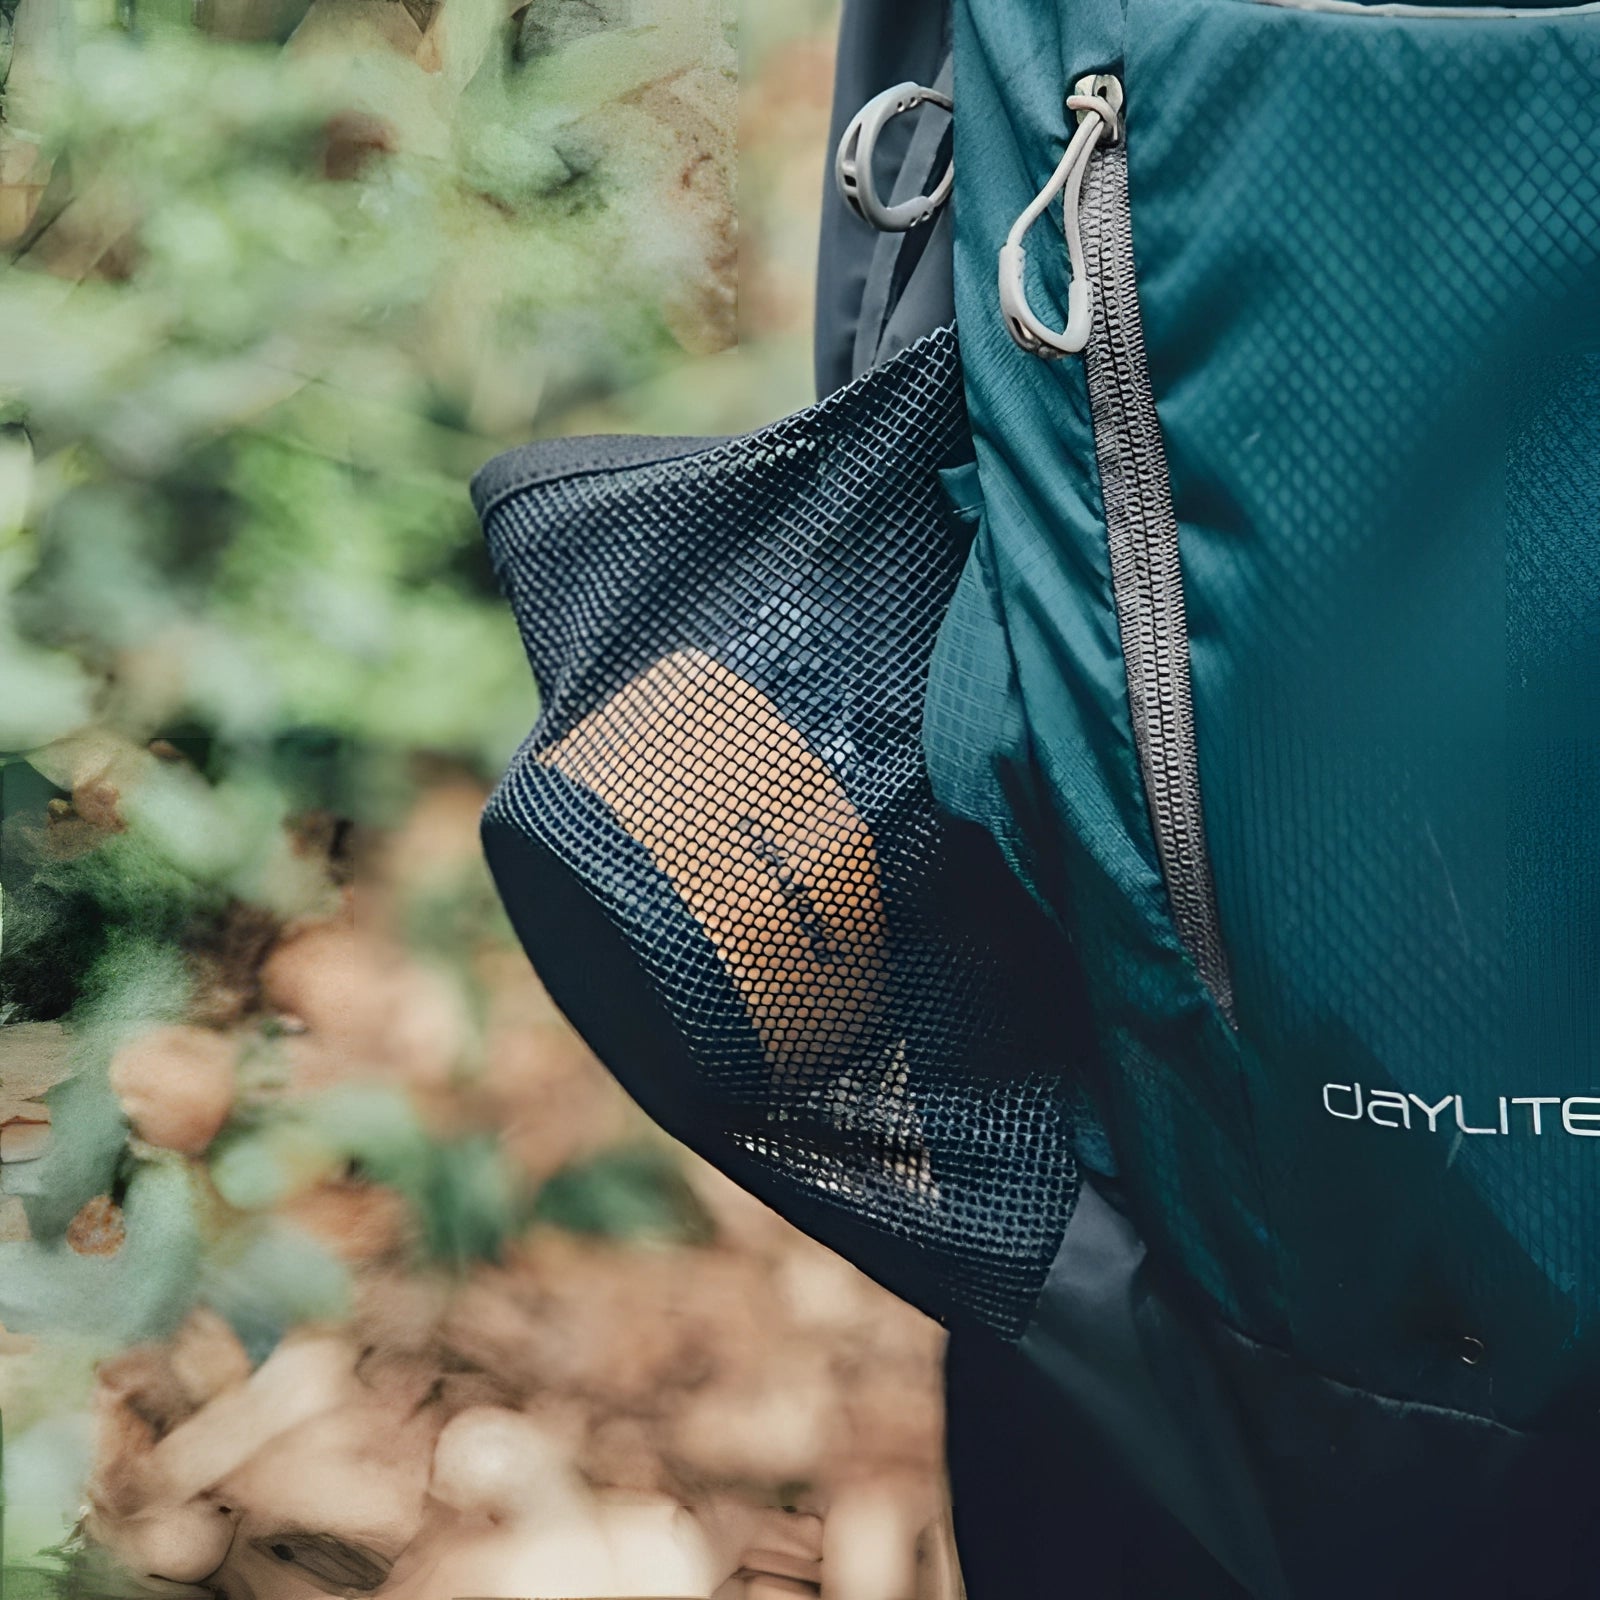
(1505, 1116)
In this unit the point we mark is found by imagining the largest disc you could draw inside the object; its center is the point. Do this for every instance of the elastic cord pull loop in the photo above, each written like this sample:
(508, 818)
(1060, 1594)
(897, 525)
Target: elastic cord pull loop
(1097, 103)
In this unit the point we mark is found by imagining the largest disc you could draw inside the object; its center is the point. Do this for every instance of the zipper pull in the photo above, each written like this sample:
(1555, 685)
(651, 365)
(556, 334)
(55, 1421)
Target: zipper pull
(1096, 102)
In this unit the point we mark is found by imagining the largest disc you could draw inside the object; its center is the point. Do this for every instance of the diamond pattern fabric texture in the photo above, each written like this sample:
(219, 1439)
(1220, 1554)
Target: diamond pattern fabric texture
(1368, 259)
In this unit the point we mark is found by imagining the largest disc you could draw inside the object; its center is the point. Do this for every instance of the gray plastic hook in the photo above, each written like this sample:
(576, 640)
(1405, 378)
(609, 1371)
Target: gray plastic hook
(852, 166)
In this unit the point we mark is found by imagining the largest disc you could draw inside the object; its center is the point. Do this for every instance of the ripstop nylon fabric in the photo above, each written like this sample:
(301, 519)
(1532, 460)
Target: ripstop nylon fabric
(1368, 254)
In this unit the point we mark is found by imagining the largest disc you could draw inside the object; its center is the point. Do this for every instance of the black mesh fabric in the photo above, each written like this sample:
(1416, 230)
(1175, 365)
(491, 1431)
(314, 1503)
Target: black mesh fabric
(720, 848)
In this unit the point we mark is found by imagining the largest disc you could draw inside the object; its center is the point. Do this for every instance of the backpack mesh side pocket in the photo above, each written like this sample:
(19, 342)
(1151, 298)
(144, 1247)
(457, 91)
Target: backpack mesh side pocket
(720, 848)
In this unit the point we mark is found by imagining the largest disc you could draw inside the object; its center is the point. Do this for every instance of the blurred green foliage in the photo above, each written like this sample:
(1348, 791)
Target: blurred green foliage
(277, 276)
(635, 1191)
(268, 305)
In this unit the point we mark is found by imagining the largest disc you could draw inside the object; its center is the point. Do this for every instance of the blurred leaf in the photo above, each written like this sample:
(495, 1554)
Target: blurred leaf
(41, 1487)
(87, 1136)
(267, 304)
(633, 1193)
(132, 986)
(255, 1169)
(47, 695)
(271, 1280)
(143, 1291)
(462, 1191)
(467, 1200)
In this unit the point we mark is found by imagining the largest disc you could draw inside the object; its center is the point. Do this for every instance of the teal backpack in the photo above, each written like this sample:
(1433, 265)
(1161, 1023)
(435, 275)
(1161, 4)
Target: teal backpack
(1101, 822)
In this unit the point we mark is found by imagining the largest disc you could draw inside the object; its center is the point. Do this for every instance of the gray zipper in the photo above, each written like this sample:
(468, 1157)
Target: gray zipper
(1146, 574)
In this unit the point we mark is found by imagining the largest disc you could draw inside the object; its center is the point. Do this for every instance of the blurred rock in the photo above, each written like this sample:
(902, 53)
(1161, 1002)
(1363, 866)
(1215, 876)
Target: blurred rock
(24, 1137)
(180, 1546)
(340, 27)
(438, 840)
(176, 1085)
(822, 1290)
(765, 1586)
(227, 962)
(356, 1473)
(34, 1058)
(353, 140)
(356, 1221)
(772, 1434)
(869, 1541)
(623, 1452)
(366, 1004)
(207, 1357)
(547, 25)
(399, 1315)
(304, 1378)
(657, 1547)
(938, 1565)
(13, 1220)
(144, 1380)
(254, 20)
(98, 1228)
(133, 1405)
(497, 1463)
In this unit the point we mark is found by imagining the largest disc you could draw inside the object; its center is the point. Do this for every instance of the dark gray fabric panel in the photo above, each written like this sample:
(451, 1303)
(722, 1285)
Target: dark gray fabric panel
(881, 42)
(910, 279)
(1133, 1369)
(922, 293)
(1041, 1510)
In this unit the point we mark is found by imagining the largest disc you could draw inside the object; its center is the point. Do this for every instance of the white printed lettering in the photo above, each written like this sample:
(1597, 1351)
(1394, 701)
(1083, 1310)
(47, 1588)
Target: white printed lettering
(1432, 1112)
(1570, 1116)
(1388, 1100)
(1462, 1124)
(1343, 1088)
(1536, 1101)
(1388, 1108)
